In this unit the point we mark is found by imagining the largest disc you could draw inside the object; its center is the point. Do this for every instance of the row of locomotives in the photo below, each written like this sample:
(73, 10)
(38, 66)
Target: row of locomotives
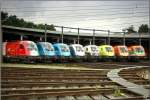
(20, 51)
(91, 53)
(136, 53)
(28, 51)
(46, 52)
(62, 52)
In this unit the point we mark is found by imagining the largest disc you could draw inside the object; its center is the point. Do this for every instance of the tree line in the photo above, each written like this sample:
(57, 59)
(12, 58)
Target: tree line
(13, 20)
(142, 29)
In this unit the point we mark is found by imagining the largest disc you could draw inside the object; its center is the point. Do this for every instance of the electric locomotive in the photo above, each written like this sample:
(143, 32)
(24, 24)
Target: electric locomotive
(121, 52)
(62, 52)
(23, 51)
(77, 52)
(136, 52)
(46, 51)
(91, 52)
(106, 52)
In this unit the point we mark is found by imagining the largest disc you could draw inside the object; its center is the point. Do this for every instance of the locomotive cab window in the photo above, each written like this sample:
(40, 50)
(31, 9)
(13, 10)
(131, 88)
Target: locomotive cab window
(48, 47)
(64, 48)
(140, 50)
(94, 49)
(31, 47)
(108, 49)
(123, 50)
(79, 49)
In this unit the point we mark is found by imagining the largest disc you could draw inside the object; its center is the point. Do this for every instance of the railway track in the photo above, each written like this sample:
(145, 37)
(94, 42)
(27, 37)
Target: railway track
(109, 65)
(60, 84)
(137, 79)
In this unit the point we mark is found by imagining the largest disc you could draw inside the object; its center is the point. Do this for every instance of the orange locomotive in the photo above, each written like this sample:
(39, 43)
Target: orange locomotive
(121, 52)
(136, 52)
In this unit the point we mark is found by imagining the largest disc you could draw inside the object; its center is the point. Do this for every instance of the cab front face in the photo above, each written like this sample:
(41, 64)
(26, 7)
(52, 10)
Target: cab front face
(123, 51)
(78, 50)
(106, 50)
(109, 51)
(94, 50)
(136, 51)
(64, 49)
(61, 50)
(31, 47)
(139, 51)
(45, 49)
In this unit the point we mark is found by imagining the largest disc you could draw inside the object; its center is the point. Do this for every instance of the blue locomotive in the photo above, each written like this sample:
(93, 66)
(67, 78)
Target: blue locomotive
(62, 52)
(46, 51)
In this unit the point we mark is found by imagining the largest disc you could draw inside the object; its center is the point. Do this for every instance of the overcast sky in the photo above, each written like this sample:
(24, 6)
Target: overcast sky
(112, 15)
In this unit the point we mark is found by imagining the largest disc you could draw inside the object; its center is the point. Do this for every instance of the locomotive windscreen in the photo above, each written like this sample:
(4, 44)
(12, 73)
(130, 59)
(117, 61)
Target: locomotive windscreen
(139, 50)
(108, 49)
(64, 48)
(123, 49)
(79, 48)
(94, 49)
(48, 47)
(32, 47)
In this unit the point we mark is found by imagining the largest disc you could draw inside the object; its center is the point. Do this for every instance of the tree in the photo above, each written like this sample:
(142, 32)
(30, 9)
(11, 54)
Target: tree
(131, 29)
(4, 16)
(143, 28)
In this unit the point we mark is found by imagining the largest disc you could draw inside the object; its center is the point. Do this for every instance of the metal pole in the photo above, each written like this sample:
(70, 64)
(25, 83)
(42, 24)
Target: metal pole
(124, 39)
(105, 41)
(149, 38)
(74, 41)
(21, 37)
(93, 36)
(45, 37)
(90, 42)
(40, 38)
(78, 37)
(139, 39)
(57, 39)
(108, 37)
(1, 41)
(62, 33)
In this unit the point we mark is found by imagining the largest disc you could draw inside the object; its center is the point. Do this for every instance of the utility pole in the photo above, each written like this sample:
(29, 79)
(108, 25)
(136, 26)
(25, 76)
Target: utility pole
(139, 39)
(78, 37)
(21, 37)
(93, 36)
(108, 37)
(45, 37)
(62, 33)
(124, 41)
(74, 41)
(1, 50)
(90, 41)
(149, 32)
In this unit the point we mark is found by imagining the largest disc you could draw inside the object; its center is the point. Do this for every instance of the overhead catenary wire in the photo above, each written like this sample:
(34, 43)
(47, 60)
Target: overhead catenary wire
(29, 7)
(45, 10)
(84, 15)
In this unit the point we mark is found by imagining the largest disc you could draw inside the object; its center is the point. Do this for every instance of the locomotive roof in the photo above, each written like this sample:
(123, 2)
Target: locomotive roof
(41, 32)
